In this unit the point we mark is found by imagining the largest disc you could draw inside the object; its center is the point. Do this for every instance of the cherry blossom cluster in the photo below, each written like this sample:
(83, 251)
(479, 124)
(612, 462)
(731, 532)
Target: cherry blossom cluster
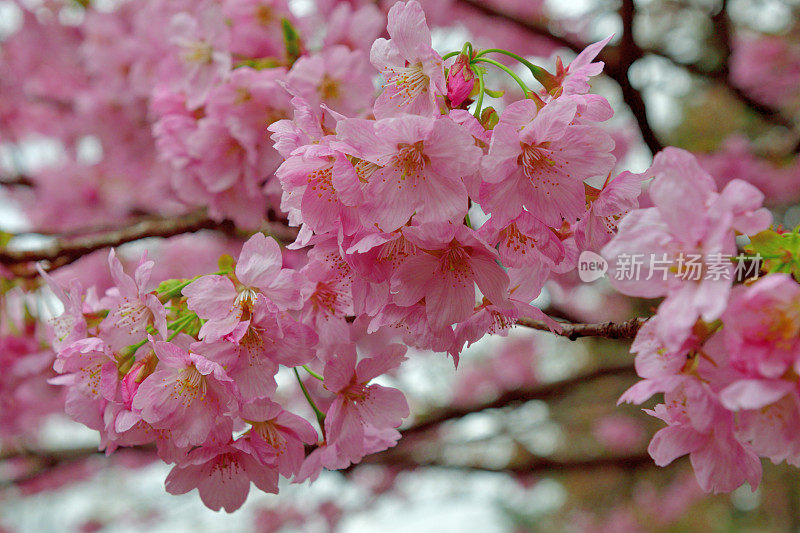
(382, 190)
(425, 220)
(725, 357)
(388, 197)
(191, 368)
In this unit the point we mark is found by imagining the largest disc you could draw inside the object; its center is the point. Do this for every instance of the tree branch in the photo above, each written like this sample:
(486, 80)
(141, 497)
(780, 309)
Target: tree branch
(543, 391)
(63, 251)
(537, 465)
(573, 331)
(16, 181)
(618, 71)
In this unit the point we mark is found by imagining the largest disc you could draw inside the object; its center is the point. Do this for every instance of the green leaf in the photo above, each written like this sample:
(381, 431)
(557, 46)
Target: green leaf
(226, 263)
(291, 39)
(171, 287)
(781, 251)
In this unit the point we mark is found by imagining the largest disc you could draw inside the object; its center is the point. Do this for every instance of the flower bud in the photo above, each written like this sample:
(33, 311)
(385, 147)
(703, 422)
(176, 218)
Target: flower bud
(460, 81)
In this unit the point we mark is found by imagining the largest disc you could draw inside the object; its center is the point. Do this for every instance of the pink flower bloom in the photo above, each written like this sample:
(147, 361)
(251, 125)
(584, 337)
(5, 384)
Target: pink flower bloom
(359, 405)
(337, 77)
(690, 228)
(421, 162)
(413, 70)
(538, 160)
(770, 426)
(279, 434)
(321, 189)
(203, 49)
(355, 28)
(329, 295)
(334, 456)
(258, 274)
(574, 79)
(131, 307)
(414, 327)
(456, 259)
(524, 241)
(187, 394)
(762, 327)
(700, 426)
(608, 206)
(70, 325)
(222, 474)
(247, 104)
(307, 127)
(90, 368)
(257, 346)
(256, 26)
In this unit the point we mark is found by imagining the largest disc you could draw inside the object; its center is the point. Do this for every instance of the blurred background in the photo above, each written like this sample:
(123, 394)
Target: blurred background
(525, 436)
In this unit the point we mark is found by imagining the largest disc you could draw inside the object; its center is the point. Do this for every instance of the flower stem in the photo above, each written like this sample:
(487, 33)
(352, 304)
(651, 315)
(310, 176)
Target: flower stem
(312, 373)
(179, 325)
(525, 89)
(533, 68)
(481, 87)
(320, 415)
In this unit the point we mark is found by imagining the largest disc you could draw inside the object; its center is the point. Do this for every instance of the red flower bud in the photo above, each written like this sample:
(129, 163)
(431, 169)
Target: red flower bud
(460, 81)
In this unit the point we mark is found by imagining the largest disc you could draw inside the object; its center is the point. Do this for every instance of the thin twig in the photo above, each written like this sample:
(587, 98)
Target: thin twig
(573, 331)
(542, 391)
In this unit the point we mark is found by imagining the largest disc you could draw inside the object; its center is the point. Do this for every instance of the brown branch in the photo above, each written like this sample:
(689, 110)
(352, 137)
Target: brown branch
(617, 69)
(536, 465)
(573, 331)
(543, 391)
(16, 181)
(629, 52)
(63, 251)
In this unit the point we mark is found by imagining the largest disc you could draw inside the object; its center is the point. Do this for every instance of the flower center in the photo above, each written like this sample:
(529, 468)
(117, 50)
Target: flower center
(534, 161)
(198, 52)
(190, 385)
(411, 81)
(328, 88)
(410, 160)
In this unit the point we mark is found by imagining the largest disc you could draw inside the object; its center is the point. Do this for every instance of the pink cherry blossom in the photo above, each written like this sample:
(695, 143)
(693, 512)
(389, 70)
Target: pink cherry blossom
(338, 77)
(132, 307)
(187, 394)
(279, 433)
(538, 160)
(222, 475)
(258, 273)
(420, 164)
(456, 259)
(413, 71)
(762, 327)
(615, 199)
(699, 426)
(358, 404)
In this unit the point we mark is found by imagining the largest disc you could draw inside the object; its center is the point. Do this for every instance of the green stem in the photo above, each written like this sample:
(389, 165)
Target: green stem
(533, 68)
(312, 373)
(178, 290)
(525, 89)
(449, 55)
(481, 87)
(179, 325)
(317, 412)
